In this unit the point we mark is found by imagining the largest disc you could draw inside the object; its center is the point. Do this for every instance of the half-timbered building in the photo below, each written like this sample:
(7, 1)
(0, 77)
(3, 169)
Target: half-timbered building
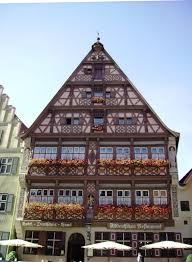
(103, 167)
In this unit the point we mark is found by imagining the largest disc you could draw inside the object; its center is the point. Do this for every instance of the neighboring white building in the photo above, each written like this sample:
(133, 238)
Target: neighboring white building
(10, 155)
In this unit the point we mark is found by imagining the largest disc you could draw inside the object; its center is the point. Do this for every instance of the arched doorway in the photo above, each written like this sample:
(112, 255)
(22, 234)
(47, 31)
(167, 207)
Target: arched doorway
(74, 250)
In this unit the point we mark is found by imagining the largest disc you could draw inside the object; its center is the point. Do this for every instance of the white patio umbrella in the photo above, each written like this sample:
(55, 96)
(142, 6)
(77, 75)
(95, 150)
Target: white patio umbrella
(19, 243)
(167, 245)
(108, 245)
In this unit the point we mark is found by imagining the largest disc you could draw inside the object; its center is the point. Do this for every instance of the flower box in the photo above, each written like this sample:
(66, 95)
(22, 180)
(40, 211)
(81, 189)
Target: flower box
(59, 163)
(110, 212)
(43, 211)
(133, 163)
(97, 100)
(99, 128)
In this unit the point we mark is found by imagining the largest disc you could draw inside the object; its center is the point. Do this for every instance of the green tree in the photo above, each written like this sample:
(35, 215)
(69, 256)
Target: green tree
(11, 256)
(189, 258)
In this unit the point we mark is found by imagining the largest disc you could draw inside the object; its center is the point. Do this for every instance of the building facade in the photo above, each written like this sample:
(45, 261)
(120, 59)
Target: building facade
(99, 164)
(185, 207)
(10, 155)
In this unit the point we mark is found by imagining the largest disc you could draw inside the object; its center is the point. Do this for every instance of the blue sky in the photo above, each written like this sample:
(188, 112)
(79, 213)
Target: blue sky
(41, 45)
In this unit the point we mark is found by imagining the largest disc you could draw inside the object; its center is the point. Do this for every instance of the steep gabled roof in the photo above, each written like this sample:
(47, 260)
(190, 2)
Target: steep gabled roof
(77, 72)
(183, 181)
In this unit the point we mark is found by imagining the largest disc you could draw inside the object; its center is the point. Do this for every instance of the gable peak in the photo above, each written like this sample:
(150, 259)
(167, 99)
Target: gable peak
(98, 46)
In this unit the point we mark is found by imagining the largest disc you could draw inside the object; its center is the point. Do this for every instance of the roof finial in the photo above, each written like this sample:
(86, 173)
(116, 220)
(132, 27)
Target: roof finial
(98, 37)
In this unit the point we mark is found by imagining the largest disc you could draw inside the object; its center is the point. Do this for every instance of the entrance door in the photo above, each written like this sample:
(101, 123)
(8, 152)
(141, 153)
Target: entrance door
(74, 251)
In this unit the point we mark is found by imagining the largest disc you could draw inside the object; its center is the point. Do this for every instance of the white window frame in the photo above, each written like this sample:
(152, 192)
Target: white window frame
(156, 154)
(104, 198)
(45, 152)
(104, 154)
(73, 152)
(38, 195)
(142, 200)
(122, 155)
(159, 198)
(140, 154)
(125, 199)
(68, 196)
(6, 164)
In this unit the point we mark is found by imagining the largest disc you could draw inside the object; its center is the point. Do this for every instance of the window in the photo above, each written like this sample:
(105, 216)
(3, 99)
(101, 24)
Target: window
(122, 153)
(4, 236)
(158, 153)
(124, 197)
(105, 197)
(68, 121)
(184, 205)
(45, 153)
(126, 121)
(106, 153)
(108, 95)
(145, 239)
(187, 241)
(76, 121)
(88, 94)
(142, 197)
(98, 121)
(73, 153)
(160, 197)
(67, 196)
(100, 237)
(98, 72)
(31, 236)
(6, 165)
(6, 202)
(141, 153)
(124, 239)
(121, 121)
(54, 244)
(98, 93)
(130, 121)
(185, 222)
(72, 121)
(41, 195)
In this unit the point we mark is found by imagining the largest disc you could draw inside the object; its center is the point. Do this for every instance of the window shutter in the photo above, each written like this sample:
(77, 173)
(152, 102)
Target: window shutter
(15, 165)
(10, 203)
(62, 243)
(1, 135)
